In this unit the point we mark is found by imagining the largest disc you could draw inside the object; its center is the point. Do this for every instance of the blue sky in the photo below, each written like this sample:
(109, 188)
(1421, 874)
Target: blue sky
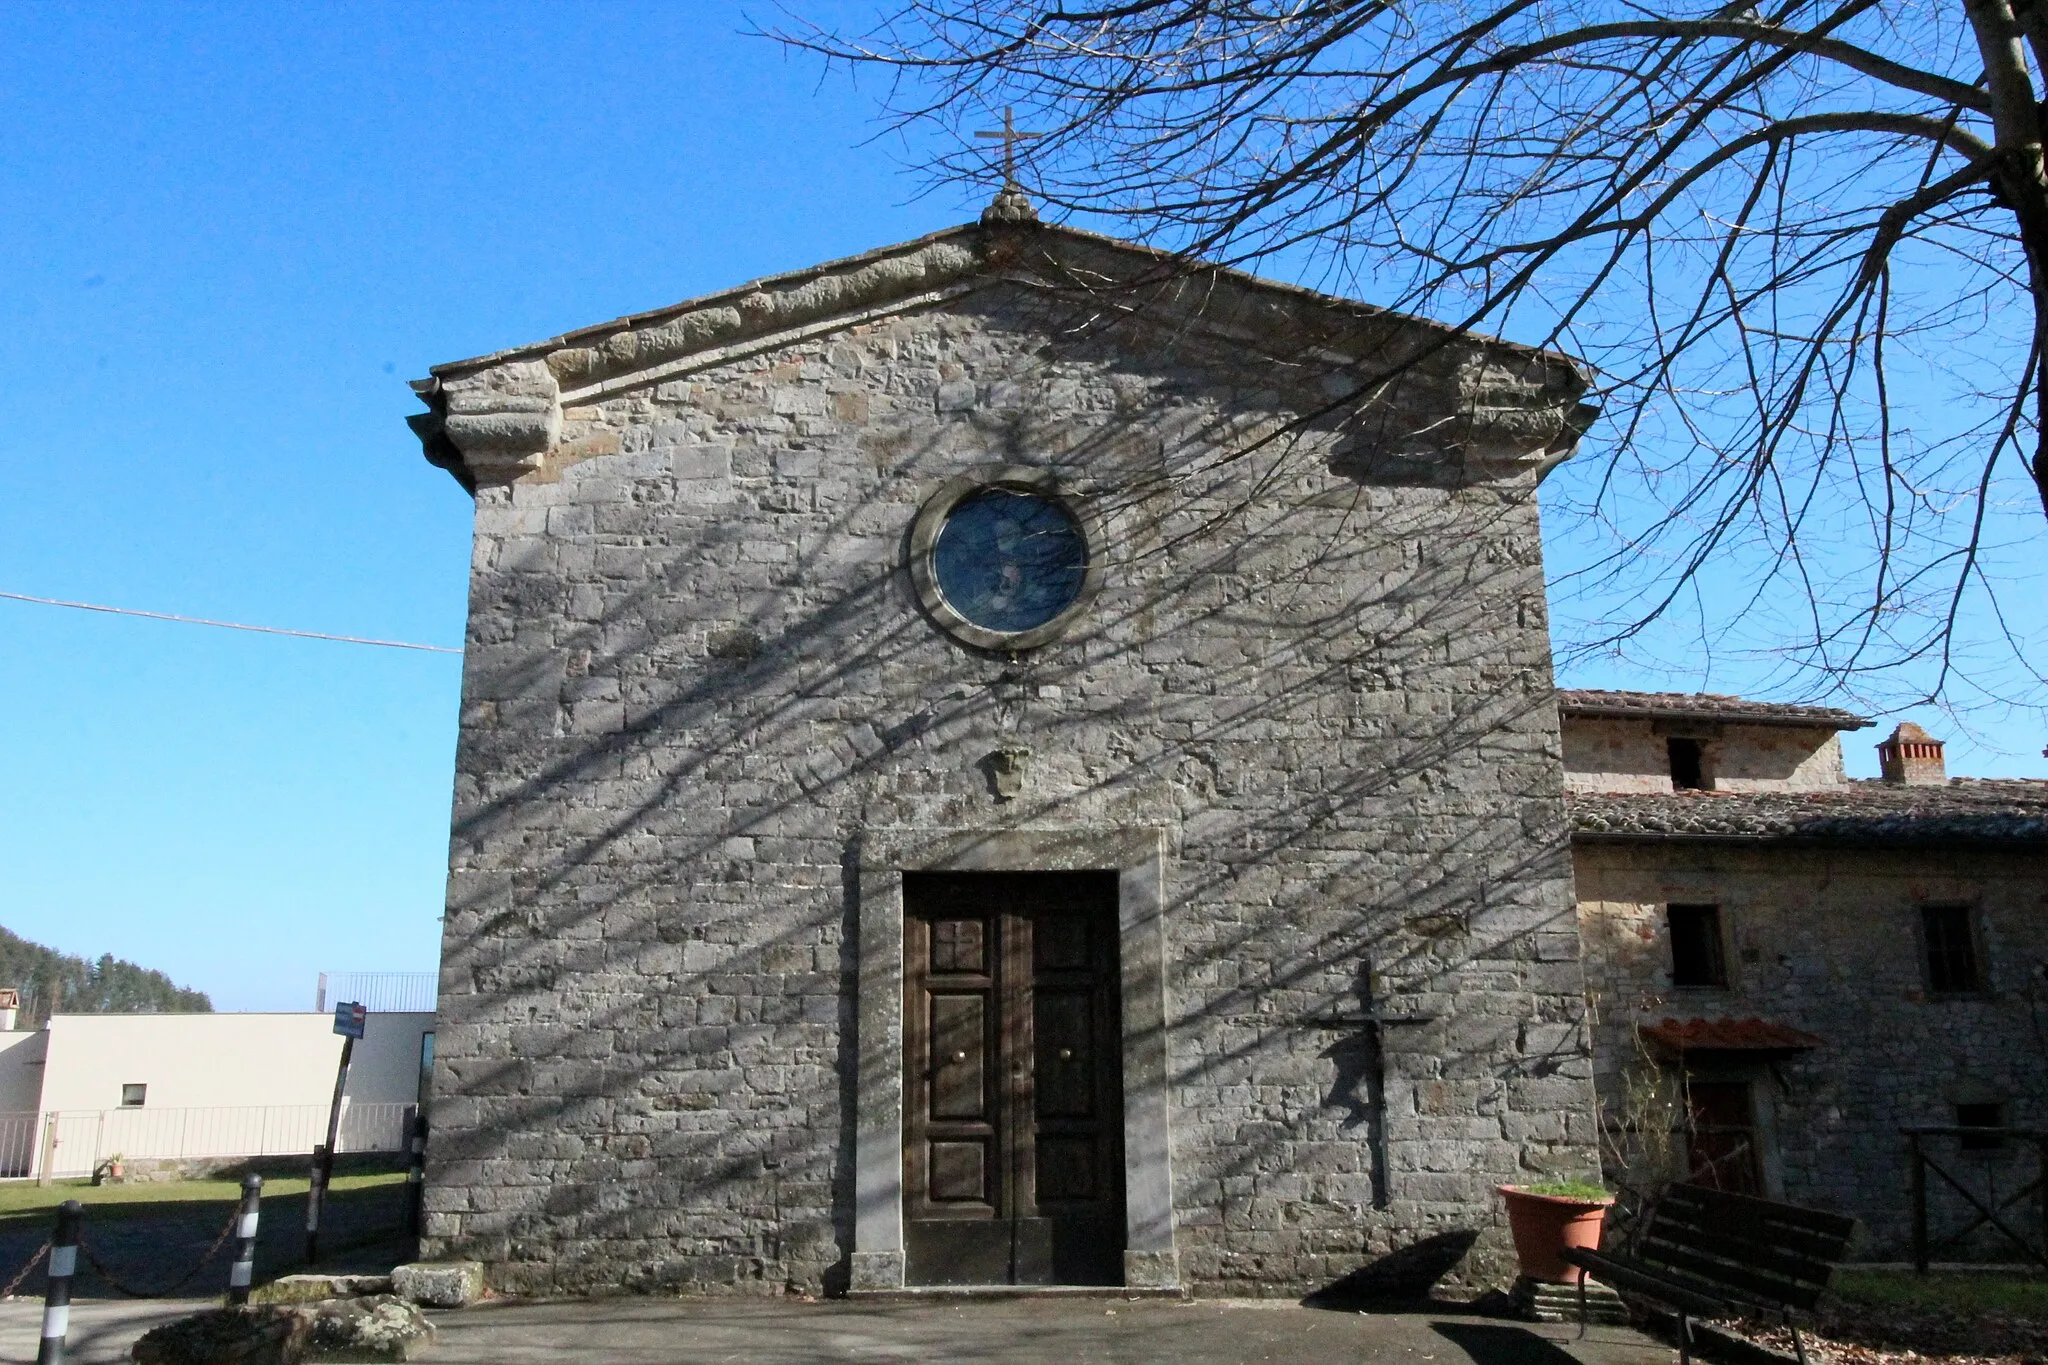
(231, 234)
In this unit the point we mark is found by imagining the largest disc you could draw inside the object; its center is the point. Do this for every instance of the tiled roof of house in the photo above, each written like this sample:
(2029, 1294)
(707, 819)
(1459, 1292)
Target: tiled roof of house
(1728, 1035)
(1703, 706)
(1963, 811)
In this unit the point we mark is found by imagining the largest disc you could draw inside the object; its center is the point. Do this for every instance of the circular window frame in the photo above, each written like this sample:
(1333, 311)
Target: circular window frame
(931, 520)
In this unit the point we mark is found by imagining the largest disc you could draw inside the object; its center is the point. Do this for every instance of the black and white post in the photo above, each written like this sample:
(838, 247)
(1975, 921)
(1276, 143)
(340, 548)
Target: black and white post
(244, 1268)
(416, 1173)
(57, 1299)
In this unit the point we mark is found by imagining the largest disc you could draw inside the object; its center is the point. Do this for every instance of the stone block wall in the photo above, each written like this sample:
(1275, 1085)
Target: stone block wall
(697, 676)
(1828, 941)
(1612, 755)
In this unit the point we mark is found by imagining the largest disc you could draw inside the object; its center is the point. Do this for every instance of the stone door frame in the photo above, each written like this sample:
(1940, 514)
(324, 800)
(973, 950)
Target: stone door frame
(1138, 856)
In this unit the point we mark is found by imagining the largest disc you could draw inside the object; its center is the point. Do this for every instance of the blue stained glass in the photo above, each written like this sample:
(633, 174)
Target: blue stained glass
(1009, 561)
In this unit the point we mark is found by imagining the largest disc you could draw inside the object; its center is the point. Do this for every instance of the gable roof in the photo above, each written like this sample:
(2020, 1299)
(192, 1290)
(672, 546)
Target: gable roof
(494, 416)
(1609, 705)
(822, 289)
(814, 291)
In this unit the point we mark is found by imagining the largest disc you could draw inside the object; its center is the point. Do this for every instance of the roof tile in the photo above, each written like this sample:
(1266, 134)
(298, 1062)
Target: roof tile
(1703, 706)
(1728, 1035)
(2005, 811)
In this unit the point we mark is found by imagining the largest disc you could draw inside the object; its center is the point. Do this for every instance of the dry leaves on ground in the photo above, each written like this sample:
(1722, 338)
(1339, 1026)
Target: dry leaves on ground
(1862, 1334)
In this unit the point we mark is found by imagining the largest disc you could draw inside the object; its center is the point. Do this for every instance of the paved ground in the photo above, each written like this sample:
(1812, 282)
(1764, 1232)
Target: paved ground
(1068, 1332)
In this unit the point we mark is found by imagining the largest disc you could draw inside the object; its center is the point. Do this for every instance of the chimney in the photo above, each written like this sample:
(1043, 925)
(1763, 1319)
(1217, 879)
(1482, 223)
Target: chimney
(1912, 758)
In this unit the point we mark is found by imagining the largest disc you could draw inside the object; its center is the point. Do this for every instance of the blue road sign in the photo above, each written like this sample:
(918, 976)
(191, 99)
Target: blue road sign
(349, 1018)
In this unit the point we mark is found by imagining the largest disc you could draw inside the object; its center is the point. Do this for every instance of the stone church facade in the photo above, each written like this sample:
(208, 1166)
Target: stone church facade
(1002, 760)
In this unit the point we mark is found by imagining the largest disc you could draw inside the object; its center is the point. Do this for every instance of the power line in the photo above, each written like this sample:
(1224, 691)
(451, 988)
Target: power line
(227, 625)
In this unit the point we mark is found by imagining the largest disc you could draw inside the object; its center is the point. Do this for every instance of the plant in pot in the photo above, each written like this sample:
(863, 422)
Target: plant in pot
(1547, 1218)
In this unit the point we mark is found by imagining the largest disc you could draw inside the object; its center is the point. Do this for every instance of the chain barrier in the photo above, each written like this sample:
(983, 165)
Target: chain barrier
(242, 1219)
(114, 1282)
(23, 1273)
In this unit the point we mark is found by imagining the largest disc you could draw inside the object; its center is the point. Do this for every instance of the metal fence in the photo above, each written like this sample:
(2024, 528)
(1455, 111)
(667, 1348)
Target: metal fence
(379, 992)
(74, 1142)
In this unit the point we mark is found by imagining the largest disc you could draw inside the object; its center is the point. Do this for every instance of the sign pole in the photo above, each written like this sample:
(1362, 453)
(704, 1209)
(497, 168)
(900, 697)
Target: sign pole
(349, 1021)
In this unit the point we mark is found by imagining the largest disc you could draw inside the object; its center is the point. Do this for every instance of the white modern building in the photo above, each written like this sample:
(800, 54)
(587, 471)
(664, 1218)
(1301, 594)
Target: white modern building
(149, 1088)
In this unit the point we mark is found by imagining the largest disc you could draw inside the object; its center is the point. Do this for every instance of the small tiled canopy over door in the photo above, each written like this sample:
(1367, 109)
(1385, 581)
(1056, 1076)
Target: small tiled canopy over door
(1013, 1167)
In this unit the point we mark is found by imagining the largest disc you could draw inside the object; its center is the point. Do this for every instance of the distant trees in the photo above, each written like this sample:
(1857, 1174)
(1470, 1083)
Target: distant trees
(59, 983)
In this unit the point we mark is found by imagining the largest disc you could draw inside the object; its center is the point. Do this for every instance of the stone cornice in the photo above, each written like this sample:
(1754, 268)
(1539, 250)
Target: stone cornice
(495, 417)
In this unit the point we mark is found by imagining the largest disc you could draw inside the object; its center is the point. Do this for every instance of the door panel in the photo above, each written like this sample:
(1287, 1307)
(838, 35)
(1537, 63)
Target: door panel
(1066, 1055)
(959, 945)
(952, 1156)
(1066, 1168)
(959, 1171)
(1061, 942)
(1013, 1079)
(959, 1053)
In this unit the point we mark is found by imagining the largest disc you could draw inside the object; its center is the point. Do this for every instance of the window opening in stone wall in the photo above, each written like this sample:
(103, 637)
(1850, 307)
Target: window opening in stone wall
(1688, 766)
(1009, 560)
(132, 1096)
(1001, 559)
(1696, 958)
(1981, 1116)
(1952, 965)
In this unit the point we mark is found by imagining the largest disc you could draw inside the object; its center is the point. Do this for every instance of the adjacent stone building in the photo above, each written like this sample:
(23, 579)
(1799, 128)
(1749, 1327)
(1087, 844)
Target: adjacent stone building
(1788, 967)
(1003, 760)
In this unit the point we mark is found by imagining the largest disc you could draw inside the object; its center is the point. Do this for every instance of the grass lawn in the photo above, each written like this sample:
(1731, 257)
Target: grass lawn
(24, 1199)
(1968, 1292)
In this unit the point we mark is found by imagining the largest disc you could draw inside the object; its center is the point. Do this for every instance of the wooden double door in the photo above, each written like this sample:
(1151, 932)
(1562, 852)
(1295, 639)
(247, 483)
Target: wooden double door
(1721, 1137)
(1013, 1151)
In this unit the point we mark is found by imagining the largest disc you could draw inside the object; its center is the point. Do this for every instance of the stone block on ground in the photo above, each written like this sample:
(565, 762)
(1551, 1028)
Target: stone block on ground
(379, 1327)
(440, 1284)
(227, 1336)
(376, 1328)
(1539, 1301)
(312, 1288)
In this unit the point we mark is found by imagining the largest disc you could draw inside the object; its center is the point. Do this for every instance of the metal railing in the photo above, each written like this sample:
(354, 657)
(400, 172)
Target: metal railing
(1992, 1208)
(74, 1142)
(379, 992)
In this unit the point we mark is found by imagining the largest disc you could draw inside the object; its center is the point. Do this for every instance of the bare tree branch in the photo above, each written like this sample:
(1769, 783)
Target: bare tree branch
(1804, 243)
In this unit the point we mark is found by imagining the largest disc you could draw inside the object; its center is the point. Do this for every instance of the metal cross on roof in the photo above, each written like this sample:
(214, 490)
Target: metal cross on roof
(1009, 137)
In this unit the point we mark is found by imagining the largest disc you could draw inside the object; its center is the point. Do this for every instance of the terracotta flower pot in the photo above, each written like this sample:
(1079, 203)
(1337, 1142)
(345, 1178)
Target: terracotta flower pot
(1545, 1224)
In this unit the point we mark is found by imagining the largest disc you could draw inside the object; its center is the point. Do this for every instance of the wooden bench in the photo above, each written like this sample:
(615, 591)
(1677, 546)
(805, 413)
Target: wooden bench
(1711, 1254)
